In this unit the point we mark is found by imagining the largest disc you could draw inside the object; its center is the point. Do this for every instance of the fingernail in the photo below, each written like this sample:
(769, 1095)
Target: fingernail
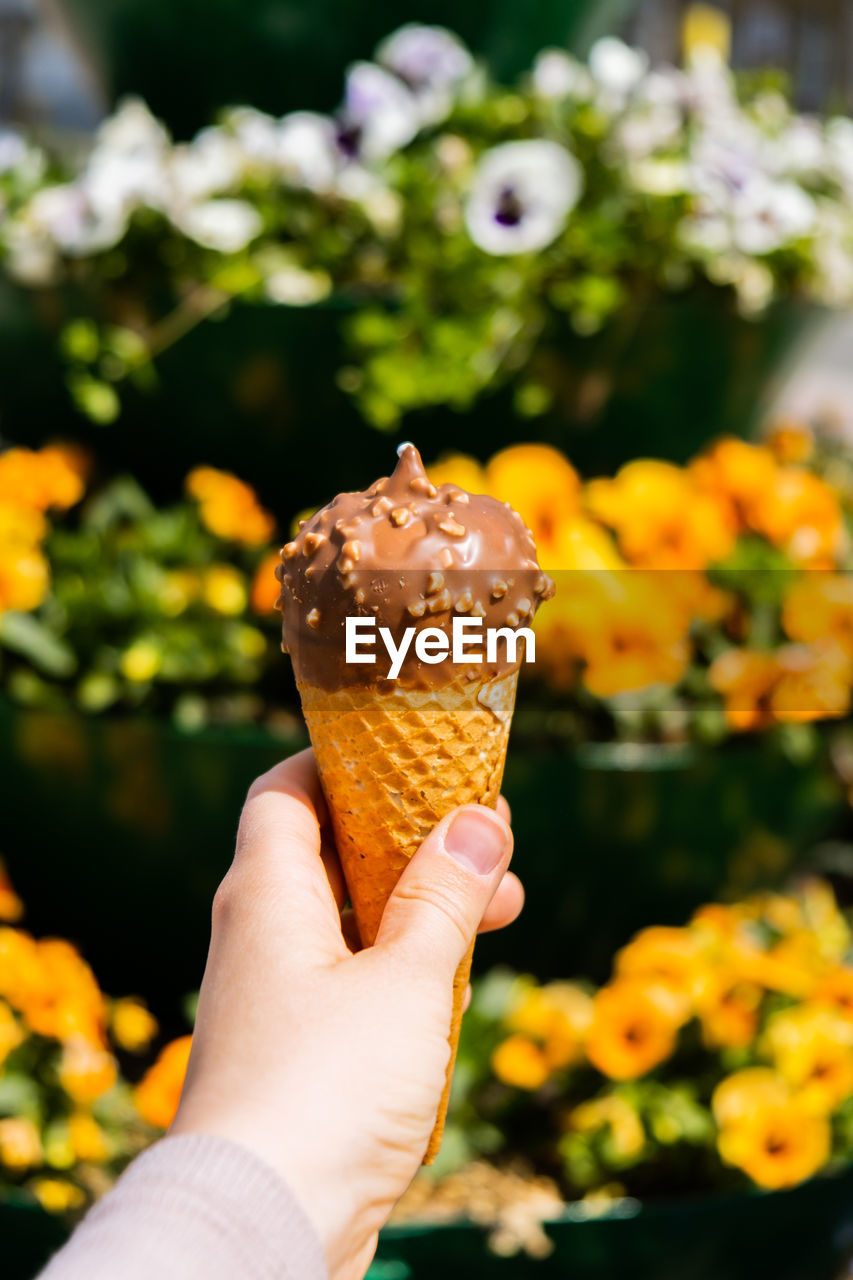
(477, 839)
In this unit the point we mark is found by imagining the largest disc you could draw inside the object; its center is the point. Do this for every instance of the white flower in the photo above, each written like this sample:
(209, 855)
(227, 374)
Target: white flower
(211, 163)
(521, 195)
(558, 75)
(768, 215)
(127, 165)
(431, 61)
(659, 177)
(379, 116)
(616, 67)
(74, 222)
(225, 225)
(256, 133)
(307, 153)
(31, 256)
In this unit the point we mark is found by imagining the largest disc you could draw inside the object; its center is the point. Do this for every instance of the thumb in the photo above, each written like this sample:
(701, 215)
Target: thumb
(436, 908)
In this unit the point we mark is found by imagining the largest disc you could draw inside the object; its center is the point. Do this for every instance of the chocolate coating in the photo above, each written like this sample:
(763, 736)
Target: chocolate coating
(409, 555)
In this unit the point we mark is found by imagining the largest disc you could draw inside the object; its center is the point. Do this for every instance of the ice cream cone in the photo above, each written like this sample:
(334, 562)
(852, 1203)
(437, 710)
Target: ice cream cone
(425, 751)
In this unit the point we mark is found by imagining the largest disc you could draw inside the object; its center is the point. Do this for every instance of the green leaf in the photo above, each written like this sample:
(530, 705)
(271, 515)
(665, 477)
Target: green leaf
(24, 634)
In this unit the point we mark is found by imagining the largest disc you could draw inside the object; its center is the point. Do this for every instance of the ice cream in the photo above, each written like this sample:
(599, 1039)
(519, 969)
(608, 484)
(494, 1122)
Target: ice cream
(396, 754)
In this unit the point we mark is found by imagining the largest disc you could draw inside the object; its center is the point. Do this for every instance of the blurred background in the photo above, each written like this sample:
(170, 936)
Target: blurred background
(595, 258)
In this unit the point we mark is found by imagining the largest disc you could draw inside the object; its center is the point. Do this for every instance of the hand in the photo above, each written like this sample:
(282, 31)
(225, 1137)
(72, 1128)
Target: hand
(330, 1063)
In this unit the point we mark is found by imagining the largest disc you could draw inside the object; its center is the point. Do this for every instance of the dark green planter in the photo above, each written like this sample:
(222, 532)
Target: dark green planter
(28, 1237)
(282, 54)
(117, 831)
(255, 392)
(804, 1234)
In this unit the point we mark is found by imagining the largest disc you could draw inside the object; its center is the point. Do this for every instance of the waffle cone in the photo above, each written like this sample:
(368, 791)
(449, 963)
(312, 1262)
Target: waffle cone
(394, 764)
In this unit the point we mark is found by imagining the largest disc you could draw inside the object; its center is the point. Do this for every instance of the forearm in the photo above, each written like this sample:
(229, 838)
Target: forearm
(194, 1207)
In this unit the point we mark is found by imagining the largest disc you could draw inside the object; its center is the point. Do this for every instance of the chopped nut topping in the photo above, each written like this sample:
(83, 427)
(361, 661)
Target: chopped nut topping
(352, 549)
(381, 507)
(445, 558)
(417, 608)
(435, 582)
(420, 484)
(289, 550)
(313, 540)
(525, 606)
(478, 611)
(540, 584)
(359, 596)
(465, 601)
(313, 619)
(452, 527)
(401, 516)
(512, 619)
(441, 602)
(499, 590)
(300, 524)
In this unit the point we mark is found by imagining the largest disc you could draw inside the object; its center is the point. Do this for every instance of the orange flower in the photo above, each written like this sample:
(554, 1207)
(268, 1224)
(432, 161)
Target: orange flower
(739, 1096)
(24, 578)
(634, 1028)
(835, 991)
(542, 486)
(88, 1138)
(52, 477)
(11, 907)
(461, 470)
(728, 1008)
(266, 587)
(745, 678)
(159, 1092)
(662, 518)
(64, 1000)
(820, 606)
(667, 956)
(737, 473)
(229, 507)
(814, 683)
(520, 1063)
(801, 514)
(20, 1144)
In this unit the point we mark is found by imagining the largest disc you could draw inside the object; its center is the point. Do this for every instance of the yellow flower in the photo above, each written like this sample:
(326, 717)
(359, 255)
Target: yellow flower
(52, 986)
(737, 1098)
(461, 470)
(791, 441)
(812, 1049)
(224, 589)
(86, 1071)
(159, 1092)
(820, 605)
(626, 627)
(542, 486)
(24, 578)
(634, 1028)
(11, 1034)
(141, 662)
(179, 590)
(57, 1195)
(20, 1144)
(133, 1027)
(627, 1136)
(11, 907)
(88, 1138)
(801, 514)
(662, 518)
(557, 1017)
(520, 1063)
(266, 587)
(229, 508)
(777, 1146)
